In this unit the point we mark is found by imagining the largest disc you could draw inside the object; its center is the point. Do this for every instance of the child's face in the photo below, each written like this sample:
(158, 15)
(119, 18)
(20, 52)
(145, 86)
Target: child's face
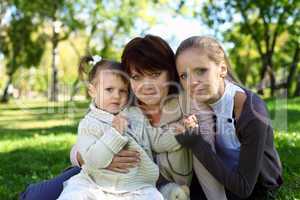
(201, 78)
(109, 92)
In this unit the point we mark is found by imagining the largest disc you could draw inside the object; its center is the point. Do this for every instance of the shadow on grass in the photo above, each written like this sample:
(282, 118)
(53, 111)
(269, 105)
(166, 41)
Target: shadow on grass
(44, 116)
(50, 105)
(294, 120)
(29, 165)
(8, 133)
(289, 155)
(291, 119)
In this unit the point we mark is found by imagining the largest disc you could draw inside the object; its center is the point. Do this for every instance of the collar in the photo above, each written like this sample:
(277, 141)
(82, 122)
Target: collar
(223, 97)
(101, 115)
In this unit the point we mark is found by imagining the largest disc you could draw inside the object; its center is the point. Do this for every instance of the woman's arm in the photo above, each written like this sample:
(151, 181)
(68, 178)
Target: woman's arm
(241, 181)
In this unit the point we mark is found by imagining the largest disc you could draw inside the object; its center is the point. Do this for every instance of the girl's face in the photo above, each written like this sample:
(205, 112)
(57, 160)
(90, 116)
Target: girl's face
(201, 78)
(151, 87)
(109, 92)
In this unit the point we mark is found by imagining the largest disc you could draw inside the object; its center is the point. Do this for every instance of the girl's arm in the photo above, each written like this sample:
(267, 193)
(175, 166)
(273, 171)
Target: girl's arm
(121, 161)
(98, 147)
(241, 181)
(162, 140)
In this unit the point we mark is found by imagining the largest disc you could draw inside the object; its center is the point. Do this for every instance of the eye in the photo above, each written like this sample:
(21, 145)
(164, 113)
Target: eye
(110, 89)
(200, 71)
(183, 76)
(155, 74)
(124, 91)
(135, 77)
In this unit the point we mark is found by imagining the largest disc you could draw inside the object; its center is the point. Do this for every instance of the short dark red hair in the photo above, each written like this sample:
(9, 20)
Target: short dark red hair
(150, 54)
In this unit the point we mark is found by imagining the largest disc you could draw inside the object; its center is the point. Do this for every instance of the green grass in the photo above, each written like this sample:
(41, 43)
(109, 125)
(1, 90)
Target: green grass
(35, 140)
(36, 137)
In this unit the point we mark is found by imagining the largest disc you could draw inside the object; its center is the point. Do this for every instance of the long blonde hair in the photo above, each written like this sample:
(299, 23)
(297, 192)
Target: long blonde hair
(212, 48)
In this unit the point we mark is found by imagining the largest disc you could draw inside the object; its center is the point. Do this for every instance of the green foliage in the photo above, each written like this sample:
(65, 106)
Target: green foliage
(101, 27)
(19, 47)
(264, 35)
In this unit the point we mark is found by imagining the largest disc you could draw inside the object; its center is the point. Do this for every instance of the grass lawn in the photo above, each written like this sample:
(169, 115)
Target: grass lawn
(35, 140)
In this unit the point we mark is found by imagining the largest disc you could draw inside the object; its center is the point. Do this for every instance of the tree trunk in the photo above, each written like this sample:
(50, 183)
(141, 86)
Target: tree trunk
(5, 95)
(74, 89)
(54, 79)
(262, 75)
(267, 69)
(297, 91)
(272, 80)
(293, 68)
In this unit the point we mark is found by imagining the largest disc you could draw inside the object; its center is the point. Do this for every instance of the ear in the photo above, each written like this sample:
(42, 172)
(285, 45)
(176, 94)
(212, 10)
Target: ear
(92, 90)
(223, 68)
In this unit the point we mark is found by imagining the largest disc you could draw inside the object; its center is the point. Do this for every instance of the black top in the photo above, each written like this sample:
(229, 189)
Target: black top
(259, 163)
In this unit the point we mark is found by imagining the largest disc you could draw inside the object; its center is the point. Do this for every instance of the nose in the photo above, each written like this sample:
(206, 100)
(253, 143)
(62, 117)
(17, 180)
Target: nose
(148, 84)
(194, 80)
(116, 94)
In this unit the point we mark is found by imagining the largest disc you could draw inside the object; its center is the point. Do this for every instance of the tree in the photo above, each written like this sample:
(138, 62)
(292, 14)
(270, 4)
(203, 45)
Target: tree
(19, 46)
(107, 28)
(61, 14)
(40, 14)
(263, 21)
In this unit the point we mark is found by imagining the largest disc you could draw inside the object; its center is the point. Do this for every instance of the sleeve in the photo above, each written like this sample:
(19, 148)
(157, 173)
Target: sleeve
(241, 181)
(97, 152)
(162, 140)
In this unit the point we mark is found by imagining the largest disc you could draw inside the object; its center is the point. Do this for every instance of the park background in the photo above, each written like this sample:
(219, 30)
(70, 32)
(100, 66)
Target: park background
(42, 98)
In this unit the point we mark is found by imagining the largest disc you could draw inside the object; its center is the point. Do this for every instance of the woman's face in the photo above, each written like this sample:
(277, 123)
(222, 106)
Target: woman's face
(201, 78)
(150, 88)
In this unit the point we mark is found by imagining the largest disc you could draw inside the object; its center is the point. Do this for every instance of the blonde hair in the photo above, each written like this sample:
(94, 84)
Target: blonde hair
(212, 49)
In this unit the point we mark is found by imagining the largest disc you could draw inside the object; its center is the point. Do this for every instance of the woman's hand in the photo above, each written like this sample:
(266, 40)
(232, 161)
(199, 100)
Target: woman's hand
(120, 123)
(121, 162)
(124, 160)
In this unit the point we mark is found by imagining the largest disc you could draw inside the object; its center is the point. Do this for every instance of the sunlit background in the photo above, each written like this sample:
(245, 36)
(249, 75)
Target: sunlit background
(42, 41)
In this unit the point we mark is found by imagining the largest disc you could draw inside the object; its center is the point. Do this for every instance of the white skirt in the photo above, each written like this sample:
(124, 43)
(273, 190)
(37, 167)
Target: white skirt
(82, 188)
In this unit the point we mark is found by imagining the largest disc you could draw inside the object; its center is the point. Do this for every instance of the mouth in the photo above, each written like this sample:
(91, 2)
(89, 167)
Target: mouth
(149, 93)
(115, 104)
(199, 91)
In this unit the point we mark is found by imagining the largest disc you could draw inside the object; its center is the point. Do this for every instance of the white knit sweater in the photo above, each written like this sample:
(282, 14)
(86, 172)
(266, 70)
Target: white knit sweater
(98, 142)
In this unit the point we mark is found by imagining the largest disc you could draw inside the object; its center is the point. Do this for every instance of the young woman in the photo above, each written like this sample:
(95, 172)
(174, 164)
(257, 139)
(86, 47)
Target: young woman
(246, 161)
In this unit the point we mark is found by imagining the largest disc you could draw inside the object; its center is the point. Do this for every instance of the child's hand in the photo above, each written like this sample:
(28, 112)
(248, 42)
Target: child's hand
(190, 122)
(120, 123)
